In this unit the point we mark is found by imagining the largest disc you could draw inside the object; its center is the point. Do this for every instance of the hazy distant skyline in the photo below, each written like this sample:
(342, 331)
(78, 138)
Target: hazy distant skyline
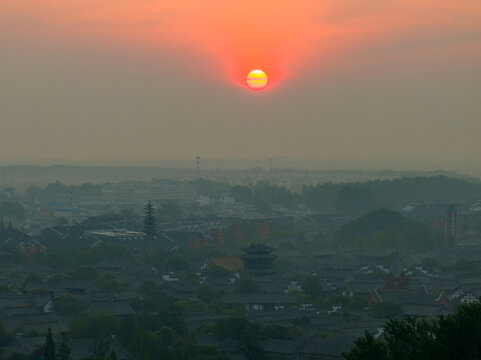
(384, 82)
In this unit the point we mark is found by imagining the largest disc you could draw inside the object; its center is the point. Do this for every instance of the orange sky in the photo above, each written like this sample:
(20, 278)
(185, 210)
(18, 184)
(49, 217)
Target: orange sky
(155, 79)
(283, 37)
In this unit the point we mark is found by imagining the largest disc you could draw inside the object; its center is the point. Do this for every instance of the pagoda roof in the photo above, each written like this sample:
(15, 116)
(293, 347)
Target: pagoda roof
(396, 267)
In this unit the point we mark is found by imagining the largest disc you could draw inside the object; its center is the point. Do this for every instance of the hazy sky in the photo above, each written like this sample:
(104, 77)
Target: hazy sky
(350, 80)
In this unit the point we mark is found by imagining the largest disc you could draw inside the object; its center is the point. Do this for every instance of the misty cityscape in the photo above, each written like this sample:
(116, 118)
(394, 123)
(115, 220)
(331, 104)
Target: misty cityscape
(231, 264)
(240, 180)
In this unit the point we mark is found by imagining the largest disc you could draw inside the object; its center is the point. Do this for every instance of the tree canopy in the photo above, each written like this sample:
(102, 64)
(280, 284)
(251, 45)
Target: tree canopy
(388, 228)
(451, 337)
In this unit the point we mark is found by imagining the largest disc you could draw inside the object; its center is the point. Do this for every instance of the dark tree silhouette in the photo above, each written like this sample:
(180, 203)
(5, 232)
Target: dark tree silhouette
(49, 349)
(150, 223)
(355, 200)
(451, 337)
(312, 286)
(64, 351)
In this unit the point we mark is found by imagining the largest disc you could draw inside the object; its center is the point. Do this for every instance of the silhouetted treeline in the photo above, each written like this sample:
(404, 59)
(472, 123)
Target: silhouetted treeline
(453, 337)
(59, 191)
(388, 228)
(354, 199)
(10, 209)
(350, 199)
(359, 198)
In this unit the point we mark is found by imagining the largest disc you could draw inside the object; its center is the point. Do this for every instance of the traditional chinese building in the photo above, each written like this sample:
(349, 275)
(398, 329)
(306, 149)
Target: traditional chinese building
(258, 256)
(397, 279)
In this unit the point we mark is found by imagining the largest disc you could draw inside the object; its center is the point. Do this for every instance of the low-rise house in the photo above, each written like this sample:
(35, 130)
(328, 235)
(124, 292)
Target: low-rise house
(113, 307)
(76, 287)
(414, 303)
(262, 301)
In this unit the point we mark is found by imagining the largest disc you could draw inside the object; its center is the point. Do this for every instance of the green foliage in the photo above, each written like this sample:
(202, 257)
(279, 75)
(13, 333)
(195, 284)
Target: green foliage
(276, 195)
(49, 347)
(32, 279)
(6, 289)
(147, 336)
(464, 266)
(459, 335)
(282, 264)
(175, 263)
(66, 304)
(386, 310)
(214, 189)
(241, 193)
(354, 201)
(456, 336)
(236, 328)
(108, 282)
(388, 228)
(263, 195)
(38, 292)
(54, 278)
(84, 273)
(161, 344)
(312, 286)
(170, 211)
(94, 326)
(186, 305)
(100, 348)
(5, 336)
(367, 348)
(156, 309)
(246, 286)
(17, 356)
(53, 190)
(348, 316)
(281, 332)
(147, 287)
(206, 294)
(12, 209)
(218, 272)
(321, 197)
(191, 277)
(403, 339)
(408, 338)
(303, 320)
(323, 334)
(63, 351)
(247, 334)
(396, 193)
(31, 333)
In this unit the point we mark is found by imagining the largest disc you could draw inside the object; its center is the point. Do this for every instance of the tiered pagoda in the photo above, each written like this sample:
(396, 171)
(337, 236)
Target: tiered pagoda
(397, 279)
(258, 256)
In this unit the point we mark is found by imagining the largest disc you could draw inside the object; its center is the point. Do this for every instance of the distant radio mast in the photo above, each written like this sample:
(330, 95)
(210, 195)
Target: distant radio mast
(197, 161)
(71, 208)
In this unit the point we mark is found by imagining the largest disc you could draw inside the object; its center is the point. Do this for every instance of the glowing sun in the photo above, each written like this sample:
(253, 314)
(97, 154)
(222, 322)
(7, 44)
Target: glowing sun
(257, 80)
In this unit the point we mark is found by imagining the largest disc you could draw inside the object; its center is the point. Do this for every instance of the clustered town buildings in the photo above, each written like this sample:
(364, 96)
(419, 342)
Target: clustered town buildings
(378, 276)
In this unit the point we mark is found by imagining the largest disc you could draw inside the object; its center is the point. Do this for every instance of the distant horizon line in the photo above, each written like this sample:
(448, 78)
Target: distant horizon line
(278, 163)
